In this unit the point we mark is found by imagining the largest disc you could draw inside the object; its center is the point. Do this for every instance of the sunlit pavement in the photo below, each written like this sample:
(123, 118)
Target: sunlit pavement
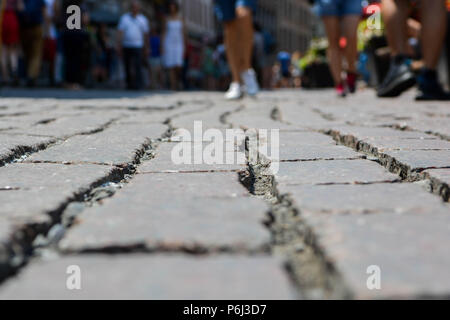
(353, 203)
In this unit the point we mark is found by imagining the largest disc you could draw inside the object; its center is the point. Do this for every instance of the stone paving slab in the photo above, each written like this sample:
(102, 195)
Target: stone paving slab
(210, 118)
(293, 152)
(440, 174)
(294, 139)
(304, 146)
(196, 185)
(332, 172)
(154, 277)
(300, 116)
(168, 154)
(35, 189)
(66, 126)
(364, 199)
(11, 143)
(116, 145)
(408, 248)
(421, 159)
(363, 133)
(257, 117)
(134, 219)
(383, 144)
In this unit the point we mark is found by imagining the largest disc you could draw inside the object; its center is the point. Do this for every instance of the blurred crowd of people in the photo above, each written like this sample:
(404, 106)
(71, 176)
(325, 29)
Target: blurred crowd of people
(38, 48)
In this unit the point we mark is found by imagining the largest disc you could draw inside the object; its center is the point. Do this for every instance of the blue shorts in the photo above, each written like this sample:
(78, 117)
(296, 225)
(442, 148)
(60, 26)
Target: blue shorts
(226, 9)
(339, 8)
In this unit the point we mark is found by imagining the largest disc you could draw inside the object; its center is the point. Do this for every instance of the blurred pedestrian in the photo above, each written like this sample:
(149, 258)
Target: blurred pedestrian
(10, 42)
(400, 76)
(50, 38)
(103, 54)
(133, 44)
(341, 18)
(237, 16)
(77, 50)
(284, 60)
(155, 60)
(173, 45)
(259, 54)
(32, 15)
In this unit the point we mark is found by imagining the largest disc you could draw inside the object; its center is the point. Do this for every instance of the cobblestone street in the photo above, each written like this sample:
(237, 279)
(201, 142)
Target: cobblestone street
(88, 179)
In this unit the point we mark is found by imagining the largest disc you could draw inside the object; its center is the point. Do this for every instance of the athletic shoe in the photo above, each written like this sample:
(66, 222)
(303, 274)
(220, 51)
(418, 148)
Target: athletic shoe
(430, 88)
(250, 82)
(340, 90)
(399, 79)
(351, 81)
(234, 92)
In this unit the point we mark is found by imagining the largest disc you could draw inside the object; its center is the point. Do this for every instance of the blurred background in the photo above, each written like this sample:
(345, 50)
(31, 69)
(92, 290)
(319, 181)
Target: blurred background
(289, 35)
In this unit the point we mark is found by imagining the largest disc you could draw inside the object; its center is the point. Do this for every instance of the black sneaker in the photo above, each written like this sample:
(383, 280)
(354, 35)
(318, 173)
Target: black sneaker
(430, 88)
(399, 79)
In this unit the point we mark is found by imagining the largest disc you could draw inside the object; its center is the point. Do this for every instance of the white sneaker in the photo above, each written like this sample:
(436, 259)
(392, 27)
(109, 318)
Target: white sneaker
(251, 84)
(234, 92)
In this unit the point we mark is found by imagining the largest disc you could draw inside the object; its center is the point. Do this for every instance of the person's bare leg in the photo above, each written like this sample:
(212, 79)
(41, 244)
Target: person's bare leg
(173, 79)
(349, 30)
(434, 19)
(332, 27)
(231, 33)
(395, 14)
(245, 20)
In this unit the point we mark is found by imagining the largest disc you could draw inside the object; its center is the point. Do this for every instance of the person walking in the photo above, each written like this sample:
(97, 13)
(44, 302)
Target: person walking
(237, 16)
(155, 60)
(10, 42)
(50, 38)
(173, 45)
(341, 18)
(400, 76)
(132, 44)
(32, 15)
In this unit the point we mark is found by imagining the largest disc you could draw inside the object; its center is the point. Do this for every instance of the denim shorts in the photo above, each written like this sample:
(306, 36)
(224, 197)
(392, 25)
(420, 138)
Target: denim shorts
(226, 9)
(339, 8)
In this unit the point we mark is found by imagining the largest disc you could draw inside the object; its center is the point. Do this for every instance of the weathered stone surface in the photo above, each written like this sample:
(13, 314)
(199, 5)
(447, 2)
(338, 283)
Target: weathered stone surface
(12, 145)
(35, 189)
(291, 152)
(421, 159)
(257, 117)
(154, 277)
(408, 248)
(372, 198)
(363, 133)
(168, 156)
(440, 182)
(66, 126)
(332, 172)
(162, 221)
(114, 146)
(210, 118)
(293, 139)
(197, 185)
(383, 144)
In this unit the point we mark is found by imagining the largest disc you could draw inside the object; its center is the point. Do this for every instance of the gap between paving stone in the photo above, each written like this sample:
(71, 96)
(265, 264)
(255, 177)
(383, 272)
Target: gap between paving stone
(313, 276)
(27, 239)
(435, 185)
(20, 153)
(308, 268)
(68, 211)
